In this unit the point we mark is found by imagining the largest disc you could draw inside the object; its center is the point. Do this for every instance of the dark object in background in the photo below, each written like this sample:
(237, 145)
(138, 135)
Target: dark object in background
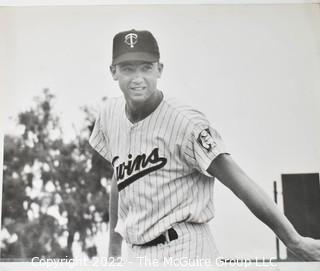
(301, 202)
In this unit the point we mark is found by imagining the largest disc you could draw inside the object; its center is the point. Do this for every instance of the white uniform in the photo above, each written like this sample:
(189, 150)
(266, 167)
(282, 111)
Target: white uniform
(160, 164)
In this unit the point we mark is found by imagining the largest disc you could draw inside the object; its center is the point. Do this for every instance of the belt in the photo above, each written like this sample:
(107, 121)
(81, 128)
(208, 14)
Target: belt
(167, 236)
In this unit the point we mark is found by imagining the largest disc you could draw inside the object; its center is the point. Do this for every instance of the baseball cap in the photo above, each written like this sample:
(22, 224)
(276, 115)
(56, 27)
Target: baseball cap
(135, 45)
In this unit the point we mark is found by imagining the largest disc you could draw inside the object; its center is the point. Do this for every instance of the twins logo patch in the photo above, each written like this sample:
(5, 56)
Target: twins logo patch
(206, 140)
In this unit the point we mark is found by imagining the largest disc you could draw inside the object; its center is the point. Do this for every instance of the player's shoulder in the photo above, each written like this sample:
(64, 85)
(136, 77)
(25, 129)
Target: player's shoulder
(111, 105)
(113, 102)
(184, 110)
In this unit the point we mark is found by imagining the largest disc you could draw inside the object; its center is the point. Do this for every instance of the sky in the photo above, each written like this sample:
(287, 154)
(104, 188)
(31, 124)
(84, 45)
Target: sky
(252, 69)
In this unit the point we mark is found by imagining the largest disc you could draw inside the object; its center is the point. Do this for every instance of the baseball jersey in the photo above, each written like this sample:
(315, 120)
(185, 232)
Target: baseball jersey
(160, 166)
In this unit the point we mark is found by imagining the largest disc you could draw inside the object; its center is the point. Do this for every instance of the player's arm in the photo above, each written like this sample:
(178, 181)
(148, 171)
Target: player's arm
(230, 174)
(115, 239)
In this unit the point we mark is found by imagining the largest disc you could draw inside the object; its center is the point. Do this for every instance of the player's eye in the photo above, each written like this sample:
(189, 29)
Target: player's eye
(127, 69)
(146, 68)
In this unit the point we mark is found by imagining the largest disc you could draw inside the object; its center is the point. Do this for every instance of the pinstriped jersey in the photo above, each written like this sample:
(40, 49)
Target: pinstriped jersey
(160, 166)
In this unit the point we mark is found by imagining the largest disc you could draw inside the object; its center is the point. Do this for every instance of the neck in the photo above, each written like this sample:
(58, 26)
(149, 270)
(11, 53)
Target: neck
(138, 111)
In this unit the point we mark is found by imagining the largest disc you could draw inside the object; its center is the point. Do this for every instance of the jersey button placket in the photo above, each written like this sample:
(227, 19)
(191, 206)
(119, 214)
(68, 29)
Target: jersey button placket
(133, 129)
(131, 133)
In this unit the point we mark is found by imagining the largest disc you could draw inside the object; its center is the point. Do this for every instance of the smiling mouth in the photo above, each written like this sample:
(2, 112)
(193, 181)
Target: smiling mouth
(137, 88)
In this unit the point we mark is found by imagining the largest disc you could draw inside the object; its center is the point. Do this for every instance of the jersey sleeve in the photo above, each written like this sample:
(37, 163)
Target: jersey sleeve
(99, 140)
(202, 145)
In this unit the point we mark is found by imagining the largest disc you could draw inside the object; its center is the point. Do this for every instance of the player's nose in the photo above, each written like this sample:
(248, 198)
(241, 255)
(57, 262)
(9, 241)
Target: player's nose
(137, 78)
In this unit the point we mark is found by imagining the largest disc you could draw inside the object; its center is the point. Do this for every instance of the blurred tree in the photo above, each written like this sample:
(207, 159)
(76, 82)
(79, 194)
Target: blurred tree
(52, 189)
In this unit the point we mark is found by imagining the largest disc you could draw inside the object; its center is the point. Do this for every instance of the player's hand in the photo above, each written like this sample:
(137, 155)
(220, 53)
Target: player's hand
(307, 249)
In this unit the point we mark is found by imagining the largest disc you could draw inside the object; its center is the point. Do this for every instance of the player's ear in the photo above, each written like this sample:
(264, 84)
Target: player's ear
(160, 68)
(113, 71)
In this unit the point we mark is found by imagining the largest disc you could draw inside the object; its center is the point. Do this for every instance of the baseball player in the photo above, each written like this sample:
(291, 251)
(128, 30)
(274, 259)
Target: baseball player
(166, 157)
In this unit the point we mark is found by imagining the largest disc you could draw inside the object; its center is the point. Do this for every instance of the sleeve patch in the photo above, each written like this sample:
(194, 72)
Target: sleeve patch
(205, 140)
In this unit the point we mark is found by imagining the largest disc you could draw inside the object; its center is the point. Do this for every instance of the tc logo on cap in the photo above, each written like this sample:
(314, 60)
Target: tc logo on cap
(131, 39)
(134, 45)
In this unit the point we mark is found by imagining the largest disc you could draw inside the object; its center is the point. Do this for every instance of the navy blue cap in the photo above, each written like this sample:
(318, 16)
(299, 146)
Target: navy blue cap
(135, 45)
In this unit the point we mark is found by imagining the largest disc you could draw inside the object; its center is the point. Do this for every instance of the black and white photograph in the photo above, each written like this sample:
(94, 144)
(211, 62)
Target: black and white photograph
(144, 135)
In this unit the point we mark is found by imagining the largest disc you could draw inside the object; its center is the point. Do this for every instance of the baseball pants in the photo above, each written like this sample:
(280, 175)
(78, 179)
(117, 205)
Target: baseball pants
(195, 241)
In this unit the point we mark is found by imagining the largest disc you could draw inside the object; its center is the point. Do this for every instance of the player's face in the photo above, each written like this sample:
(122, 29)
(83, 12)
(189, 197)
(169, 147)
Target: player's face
(137, 79)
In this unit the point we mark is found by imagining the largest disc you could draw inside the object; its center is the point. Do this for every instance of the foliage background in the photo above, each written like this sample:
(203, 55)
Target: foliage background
(53, 190)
